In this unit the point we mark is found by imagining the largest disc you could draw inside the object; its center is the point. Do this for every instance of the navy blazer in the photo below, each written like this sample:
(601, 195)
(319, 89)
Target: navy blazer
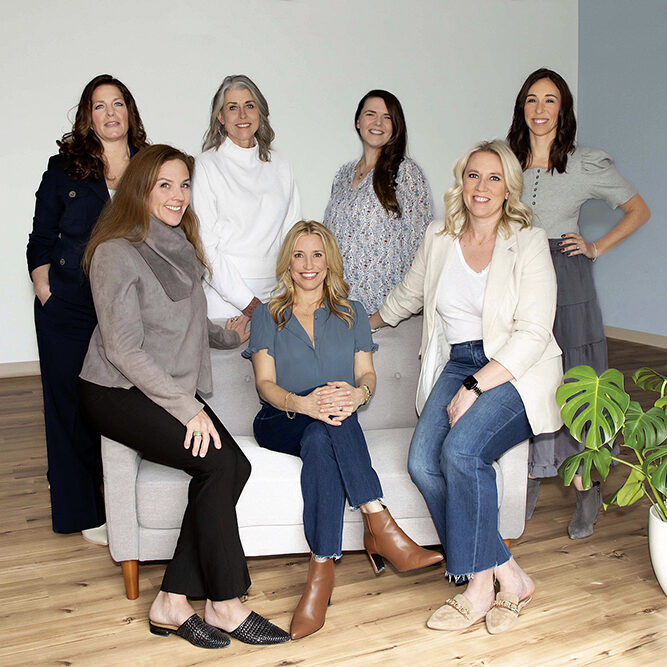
(65, 212)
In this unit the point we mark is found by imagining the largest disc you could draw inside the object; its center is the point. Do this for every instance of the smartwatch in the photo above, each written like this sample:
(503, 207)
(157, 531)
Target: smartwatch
(470, 383)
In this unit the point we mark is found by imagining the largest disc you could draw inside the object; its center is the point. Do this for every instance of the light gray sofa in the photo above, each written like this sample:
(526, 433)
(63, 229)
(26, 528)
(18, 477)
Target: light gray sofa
(145, 501)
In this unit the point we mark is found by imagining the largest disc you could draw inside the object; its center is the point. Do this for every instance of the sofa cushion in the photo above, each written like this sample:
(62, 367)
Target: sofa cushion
(272, 496)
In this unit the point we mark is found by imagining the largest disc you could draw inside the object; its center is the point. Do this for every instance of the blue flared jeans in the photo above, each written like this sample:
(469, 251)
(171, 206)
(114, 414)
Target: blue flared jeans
(336, 466)
(453, 467)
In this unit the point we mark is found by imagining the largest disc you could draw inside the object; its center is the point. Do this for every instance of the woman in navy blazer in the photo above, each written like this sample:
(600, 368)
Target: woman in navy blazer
(78, 182)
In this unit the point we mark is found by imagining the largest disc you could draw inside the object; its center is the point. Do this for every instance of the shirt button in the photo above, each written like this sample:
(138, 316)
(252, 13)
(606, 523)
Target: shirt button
(62, 261)
(72, 193)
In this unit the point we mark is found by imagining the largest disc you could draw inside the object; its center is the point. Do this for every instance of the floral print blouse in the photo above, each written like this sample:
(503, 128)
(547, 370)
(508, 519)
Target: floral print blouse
(377, 247)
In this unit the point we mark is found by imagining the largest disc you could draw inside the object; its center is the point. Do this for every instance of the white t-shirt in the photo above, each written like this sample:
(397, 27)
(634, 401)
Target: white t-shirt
(460, 298)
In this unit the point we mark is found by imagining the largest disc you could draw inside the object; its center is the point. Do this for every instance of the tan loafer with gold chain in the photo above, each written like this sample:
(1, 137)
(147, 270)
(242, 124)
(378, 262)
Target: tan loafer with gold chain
(455, 614)
(504, 612)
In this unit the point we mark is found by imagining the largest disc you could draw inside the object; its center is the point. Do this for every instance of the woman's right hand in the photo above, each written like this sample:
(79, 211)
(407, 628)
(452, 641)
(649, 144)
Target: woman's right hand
(199, 432)
(310, 405)
(40, 283)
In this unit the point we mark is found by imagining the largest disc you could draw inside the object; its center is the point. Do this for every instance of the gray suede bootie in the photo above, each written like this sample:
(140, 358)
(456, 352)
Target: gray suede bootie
(532, 494)
(586, 514)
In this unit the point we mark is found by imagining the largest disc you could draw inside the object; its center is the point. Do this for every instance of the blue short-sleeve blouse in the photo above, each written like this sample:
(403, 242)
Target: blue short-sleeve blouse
(300, 365)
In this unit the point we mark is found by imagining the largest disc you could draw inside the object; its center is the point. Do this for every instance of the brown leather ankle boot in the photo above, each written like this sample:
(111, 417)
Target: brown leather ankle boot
(383, 538)
(311, 611)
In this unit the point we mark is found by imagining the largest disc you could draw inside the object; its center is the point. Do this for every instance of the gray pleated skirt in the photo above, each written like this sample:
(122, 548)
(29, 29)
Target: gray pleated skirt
(580, 335)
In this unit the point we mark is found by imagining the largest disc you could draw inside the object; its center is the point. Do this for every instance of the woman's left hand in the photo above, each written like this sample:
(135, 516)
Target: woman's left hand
(239, 324)
(460, 404)
(339, 399)
(575, 244)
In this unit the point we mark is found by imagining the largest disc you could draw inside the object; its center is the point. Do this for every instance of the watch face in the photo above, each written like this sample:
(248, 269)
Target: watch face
(470, 382)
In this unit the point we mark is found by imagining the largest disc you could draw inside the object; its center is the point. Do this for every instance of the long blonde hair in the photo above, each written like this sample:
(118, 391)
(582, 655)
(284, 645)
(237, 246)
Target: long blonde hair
(126, 215)
(514, 210)
(334, 287)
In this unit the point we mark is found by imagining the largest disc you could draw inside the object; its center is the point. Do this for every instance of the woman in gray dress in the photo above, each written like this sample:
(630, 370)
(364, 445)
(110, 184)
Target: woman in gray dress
(558, 178)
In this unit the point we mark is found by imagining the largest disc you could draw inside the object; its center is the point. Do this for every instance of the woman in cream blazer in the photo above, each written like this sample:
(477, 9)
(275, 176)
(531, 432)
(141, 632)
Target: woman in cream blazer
(490, 368)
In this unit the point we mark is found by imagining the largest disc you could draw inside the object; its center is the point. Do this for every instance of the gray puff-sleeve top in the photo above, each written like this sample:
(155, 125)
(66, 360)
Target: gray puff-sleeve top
(300, 365)
(152, 330)
(378, 247)
(555, 199)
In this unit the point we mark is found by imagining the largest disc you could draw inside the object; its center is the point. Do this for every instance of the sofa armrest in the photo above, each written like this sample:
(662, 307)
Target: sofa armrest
(121, 466)
(512, 503)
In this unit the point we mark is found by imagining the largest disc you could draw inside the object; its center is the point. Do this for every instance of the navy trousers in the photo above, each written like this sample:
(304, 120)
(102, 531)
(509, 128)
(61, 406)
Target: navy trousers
(72, 445)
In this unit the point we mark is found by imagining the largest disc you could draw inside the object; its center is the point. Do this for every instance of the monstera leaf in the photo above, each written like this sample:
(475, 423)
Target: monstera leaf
(630, 492)
(650, 380)
(593, 408)
(644, 429)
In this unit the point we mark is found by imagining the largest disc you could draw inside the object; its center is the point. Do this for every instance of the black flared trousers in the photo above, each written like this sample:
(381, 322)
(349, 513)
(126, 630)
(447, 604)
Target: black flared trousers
(73, 448)
(209, 561)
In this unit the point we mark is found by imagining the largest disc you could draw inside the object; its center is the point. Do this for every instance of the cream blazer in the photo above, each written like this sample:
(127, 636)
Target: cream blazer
(517, 316)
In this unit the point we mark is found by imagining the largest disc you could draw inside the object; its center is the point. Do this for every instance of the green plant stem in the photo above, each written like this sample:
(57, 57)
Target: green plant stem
(656, 500)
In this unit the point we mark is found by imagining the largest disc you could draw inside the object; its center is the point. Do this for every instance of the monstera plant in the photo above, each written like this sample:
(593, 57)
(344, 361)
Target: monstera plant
(596, 410)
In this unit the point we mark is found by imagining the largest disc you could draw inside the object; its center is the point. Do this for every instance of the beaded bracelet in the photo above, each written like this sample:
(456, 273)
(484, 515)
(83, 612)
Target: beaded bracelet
(287, 412)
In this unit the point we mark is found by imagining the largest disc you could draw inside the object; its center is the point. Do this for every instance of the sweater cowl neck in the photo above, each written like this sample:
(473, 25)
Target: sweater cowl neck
(172, 258)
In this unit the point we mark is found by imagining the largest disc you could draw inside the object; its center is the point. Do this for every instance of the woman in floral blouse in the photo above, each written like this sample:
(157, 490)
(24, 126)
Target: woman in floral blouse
(380, 205)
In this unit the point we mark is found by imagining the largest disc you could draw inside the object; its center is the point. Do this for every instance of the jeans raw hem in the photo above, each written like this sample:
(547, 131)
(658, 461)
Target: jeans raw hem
(470, 575)
(334, 556)
(372, 500)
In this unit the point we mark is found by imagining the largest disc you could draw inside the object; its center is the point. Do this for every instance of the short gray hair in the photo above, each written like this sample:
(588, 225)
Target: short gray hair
(217, 133)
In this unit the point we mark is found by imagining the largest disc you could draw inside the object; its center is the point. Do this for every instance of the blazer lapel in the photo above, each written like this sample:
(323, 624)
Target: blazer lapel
(502, 264)
(100, 189)
(440, 254)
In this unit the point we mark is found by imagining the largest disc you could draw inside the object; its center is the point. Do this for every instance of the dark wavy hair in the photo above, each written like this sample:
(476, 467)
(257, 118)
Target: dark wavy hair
(518, 135)
(82, 150)
(391, 154)
(126, 216)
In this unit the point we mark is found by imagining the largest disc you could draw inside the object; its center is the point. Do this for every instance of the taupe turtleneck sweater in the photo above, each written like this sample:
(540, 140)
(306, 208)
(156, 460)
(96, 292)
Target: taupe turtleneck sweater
(152, 330)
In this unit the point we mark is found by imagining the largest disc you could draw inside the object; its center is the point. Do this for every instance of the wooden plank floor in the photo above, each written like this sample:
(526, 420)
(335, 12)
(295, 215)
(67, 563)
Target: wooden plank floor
(62, 599)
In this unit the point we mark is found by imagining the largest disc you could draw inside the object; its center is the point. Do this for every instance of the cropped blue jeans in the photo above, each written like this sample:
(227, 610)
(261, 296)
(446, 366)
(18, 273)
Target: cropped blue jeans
(453, 467)
(336, 466)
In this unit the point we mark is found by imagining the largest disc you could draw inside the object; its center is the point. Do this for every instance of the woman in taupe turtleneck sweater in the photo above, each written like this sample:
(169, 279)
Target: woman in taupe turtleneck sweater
(147, 359)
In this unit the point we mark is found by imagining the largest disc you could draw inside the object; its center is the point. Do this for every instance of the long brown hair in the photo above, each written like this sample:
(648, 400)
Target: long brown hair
(518, 135)
(126, 215)
(391, 154)
(335, 288)
(83, 151)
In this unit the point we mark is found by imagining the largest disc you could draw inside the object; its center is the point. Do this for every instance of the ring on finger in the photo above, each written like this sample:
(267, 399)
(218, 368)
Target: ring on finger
(196, 434)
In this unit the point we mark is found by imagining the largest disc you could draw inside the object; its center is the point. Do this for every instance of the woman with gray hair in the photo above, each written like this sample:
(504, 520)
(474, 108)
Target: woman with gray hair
(245, 197)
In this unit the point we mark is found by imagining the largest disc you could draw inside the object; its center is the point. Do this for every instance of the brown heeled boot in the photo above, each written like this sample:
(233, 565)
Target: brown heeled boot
(311, 611)
(384, 538)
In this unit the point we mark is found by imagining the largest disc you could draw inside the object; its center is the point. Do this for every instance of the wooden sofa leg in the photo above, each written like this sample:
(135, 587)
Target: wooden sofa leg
(131, 576)
(507, 544)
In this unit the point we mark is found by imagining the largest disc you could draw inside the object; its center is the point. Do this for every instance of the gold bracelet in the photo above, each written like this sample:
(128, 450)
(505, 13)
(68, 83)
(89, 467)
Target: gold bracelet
(287, 412)
(368, 391)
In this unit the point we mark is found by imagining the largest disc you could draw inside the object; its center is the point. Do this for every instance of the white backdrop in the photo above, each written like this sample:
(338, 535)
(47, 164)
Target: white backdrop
(455, 65)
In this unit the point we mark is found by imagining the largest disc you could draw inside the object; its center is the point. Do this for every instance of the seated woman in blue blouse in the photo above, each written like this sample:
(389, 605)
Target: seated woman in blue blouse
(311, 351)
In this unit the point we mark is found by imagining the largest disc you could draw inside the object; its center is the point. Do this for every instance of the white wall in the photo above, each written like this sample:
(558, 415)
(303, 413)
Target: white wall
(455, 65)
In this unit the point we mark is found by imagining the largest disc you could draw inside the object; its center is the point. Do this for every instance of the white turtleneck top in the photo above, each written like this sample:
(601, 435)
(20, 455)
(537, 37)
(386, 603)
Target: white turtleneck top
(245, 207)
